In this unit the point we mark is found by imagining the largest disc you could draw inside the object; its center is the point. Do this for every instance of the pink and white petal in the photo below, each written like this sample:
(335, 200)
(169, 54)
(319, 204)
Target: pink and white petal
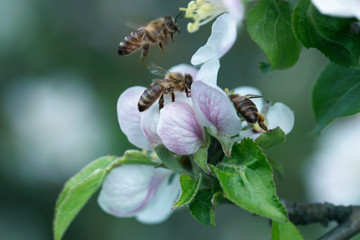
(280, 115)
(129, 117)
(339, 8)
(259, 102)
(181, 97)
(179, 130)
(129, 188)
(159, 209)
(222, 38)
(235, 8)
(149, 122)
(184, 68)
(208, 71)
(213, 107)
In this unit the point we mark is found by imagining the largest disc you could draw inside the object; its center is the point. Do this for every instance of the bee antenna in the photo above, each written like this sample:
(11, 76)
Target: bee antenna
(179, 16)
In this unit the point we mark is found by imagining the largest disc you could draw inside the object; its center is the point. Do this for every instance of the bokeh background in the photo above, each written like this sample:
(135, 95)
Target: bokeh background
(60, 78)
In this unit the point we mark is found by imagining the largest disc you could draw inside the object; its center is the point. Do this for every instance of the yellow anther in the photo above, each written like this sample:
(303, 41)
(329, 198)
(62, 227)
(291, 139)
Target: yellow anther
(205, 9)
(200, 2)
(193, 27)
(192, 5)
(189, 13)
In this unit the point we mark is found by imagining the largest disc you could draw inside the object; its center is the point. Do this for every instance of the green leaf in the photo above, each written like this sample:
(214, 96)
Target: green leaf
(264, 67)
(189, 189)
(285, 231)
(269, 25)
(77, 192)
(247, 180)
(336, 94)
(226, 144)
(331, 36)
(203, 206)
(78, 189)
(271, 138)
(201, 156)
(277, 167)
(169, 160)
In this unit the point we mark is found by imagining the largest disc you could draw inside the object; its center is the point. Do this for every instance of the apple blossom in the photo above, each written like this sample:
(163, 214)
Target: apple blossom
(140, 127)
(203, 11)
(339, 8)
(276, 115)
(140, 191)
(332, 174)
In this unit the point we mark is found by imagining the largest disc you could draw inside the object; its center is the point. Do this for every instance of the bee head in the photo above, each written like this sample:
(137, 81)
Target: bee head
(232, 96)
(188, 80)
(171, 23)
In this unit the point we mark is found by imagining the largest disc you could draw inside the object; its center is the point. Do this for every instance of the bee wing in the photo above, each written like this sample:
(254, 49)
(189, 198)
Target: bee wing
(157, 79)
(252, 96)
(134, 22)
(165, 80)
(157, 70)
(133, 25)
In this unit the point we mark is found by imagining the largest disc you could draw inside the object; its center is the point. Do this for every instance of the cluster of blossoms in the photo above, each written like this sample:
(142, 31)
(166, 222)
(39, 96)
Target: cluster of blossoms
(148, 193)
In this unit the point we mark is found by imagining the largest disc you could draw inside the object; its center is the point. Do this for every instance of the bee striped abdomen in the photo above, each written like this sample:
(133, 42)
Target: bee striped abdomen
(149, 96)
(131, 42)
(246, 108)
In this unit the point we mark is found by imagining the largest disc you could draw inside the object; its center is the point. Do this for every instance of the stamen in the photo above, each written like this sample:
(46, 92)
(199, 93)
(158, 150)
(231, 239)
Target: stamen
(202, 12)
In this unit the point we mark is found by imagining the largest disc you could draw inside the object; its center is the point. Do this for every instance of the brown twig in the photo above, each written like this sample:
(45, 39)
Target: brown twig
(347, 217)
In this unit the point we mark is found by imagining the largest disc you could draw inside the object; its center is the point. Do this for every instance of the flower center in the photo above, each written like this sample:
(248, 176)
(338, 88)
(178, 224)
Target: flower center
(202, 12)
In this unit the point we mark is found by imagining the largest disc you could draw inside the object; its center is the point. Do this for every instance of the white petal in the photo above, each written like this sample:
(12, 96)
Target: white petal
(339, 8)
(332, 173)
(128, 189)
(213, 107)
(235, 8)
(149, 122)
(129, 117)
(159, 209)
(259, 102)
(179, 130)
(223, 36)
(280, 115)
(208, 71)
(248, 133)
(184, 68)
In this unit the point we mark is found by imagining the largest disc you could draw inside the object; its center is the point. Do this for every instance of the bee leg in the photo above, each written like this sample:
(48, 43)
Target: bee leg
(161, 46)
(165, 34)
(261, 121)
(172, 96)
(161, 102)
(187, 92)
(172, 37)
(145, 50)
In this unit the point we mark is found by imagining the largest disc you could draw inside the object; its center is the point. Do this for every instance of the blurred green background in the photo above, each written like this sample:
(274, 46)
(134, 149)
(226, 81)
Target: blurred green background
(60, 79)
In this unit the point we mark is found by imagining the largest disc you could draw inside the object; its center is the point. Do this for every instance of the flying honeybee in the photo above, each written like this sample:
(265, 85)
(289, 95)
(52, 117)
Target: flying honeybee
(153, 33)
(247, 108)
(173, 82)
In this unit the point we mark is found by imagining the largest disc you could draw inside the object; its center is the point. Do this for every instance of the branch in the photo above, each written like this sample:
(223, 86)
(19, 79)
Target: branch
(348, 217)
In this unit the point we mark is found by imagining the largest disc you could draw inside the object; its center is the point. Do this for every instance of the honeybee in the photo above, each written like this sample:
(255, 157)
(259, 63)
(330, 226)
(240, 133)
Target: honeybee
(247, 109)
(153, 33)
(173, 82)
